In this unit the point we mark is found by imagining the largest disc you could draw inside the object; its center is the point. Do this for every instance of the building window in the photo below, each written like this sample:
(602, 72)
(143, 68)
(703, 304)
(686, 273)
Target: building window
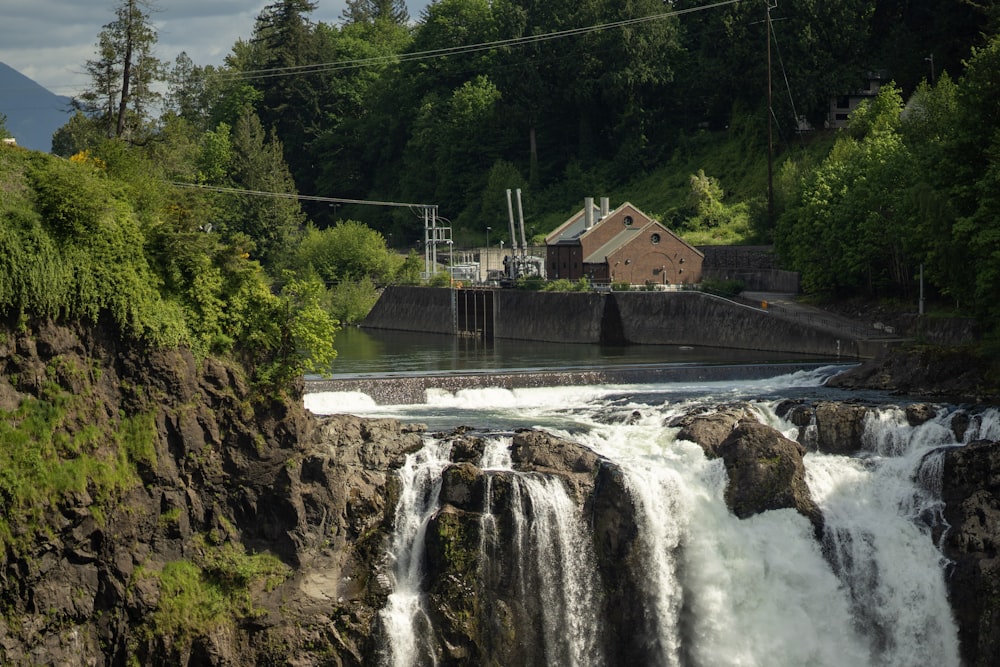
(842, 117)
(627, 220)
(654, 239)
(843, 102)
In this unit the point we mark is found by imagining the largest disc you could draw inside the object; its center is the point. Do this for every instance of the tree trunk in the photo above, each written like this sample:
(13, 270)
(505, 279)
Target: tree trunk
(126, 69)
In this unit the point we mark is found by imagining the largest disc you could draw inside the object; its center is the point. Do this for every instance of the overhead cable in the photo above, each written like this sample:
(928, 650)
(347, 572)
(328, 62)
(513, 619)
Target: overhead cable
(457, 50)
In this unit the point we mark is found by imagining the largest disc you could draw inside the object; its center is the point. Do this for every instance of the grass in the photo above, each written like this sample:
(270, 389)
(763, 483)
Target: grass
(213, 590)
(44, 460)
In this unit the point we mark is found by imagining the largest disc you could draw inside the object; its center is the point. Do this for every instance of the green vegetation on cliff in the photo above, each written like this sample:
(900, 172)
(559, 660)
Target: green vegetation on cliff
(52, 448)
(101, 236)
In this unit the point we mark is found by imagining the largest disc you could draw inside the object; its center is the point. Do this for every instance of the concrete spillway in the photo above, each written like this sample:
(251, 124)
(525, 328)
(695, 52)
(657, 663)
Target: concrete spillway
(409, 389)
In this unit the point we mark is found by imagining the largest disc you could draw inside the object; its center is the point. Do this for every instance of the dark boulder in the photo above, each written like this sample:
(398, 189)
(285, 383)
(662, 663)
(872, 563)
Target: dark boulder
(710, 429)
(463, 486)
(840, 427)
(538, 451)
(766, 473)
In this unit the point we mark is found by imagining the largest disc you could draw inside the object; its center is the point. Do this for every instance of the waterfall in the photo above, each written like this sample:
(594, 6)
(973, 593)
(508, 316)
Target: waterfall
(720, 590)
(880, 509)
(555, 562)
(550, 558)
(404, 617)
(658, 503)
(710, 589)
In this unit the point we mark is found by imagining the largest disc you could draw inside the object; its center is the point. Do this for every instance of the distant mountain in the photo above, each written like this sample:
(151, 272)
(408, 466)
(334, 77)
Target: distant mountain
(33, 113)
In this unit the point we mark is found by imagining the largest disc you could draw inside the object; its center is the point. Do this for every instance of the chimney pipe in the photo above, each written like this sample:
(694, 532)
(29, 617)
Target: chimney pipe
(605, 207)
(588, 212)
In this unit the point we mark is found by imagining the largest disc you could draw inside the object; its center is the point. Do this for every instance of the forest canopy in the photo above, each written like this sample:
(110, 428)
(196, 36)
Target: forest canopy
(664, 104)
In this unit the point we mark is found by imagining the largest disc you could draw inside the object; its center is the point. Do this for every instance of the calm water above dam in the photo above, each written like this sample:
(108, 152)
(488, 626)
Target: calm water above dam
(382, 352)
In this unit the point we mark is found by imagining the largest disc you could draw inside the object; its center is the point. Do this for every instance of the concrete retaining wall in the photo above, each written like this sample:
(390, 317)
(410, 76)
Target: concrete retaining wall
(426, 309)
(641, 318)
(558, 317)
(695, 318)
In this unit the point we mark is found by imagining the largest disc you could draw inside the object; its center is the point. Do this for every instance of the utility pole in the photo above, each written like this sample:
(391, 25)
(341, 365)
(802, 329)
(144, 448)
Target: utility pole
(771, 4)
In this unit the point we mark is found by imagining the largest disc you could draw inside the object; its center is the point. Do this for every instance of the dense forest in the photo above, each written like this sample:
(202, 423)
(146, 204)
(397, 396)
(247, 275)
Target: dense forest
(662, 103)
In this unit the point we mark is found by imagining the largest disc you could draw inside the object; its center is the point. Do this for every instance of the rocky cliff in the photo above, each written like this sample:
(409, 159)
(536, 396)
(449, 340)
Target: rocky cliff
(246, 532)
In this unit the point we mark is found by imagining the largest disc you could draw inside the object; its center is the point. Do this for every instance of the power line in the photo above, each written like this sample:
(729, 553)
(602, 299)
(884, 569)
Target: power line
(290, 195)
(457, 50)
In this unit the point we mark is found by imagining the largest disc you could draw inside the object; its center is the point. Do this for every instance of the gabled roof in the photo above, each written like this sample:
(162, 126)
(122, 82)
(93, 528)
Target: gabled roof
(572, 229)
(627, 236)
(623, 238)
(576, 227)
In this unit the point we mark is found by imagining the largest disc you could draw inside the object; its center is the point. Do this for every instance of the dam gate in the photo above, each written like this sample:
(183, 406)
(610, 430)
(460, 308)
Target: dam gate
(473, 313)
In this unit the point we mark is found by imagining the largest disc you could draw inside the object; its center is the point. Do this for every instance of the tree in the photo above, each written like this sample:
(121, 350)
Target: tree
(370, 11)
(186, 92)
(257, 165)
(348, 252)
(849, 229)
(122, 94)
(291, 103)
(350, 126)
(4, 132)
(80, 133)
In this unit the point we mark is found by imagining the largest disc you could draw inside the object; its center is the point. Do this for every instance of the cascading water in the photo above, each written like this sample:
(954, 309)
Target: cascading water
(404, 616)
(716, 590)
(555, 563)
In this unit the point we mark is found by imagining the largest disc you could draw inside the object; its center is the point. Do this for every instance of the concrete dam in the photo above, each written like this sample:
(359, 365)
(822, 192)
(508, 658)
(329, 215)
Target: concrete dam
(621, 318)
(683, 318)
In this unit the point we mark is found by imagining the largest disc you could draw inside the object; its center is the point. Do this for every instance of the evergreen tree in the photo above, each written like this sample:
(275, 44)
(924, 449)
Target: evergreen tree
(291, 101)
(186, 92)
(370, 11)
(122, 92)
(258, 165)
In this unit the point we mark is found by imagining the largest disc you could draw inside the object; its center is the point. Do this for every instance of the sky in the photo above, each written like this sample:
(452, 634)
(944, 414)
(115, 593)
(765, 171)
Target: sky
(50, 41)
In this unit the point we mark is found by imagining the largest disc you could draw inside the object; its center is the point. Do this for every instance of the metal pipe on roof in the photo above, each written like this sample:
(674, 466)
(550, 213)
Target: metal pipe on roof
(588, 212)
(520, 217)
(605, 207)
(510, 220)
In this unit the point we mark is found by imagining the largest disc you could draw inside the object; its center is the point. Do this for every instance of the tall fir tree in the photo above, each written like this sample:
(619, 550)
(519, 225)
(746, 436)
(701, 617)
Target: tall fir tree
(122, 95)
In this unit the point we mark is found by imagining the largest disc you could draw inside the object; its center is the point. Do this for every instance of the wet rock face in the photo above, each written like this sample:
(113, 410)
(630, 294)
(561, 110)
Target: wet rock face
(971, 492)
(766, 473)
(479, 612)
(840, 427)
(711, 429)
(537, 451)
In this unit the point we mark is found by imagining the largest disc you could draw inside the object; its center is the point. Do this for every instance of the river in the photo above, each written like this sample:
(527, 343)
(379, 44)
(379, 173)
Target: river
(718, 590)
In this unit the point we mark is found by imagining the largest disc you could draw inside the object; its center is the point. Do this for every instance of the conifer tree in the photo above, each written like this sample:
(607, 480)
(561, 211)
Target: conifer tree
(122, 95)
(370, 11)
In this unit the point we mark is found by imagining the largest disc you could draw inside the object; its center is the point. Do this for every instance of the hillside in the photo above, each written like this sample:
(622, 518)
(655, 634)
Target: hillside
(33, 113)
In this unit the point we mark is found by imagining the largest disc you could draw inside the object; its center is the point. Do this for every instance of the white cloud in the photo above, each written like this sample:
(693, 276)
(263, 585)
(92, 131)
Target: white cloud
(50, 41)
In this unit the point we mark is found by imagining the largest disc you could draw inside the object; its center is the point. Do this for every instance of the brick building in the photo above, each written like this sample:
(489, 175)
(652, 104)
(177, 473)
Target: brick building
(624, 245)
